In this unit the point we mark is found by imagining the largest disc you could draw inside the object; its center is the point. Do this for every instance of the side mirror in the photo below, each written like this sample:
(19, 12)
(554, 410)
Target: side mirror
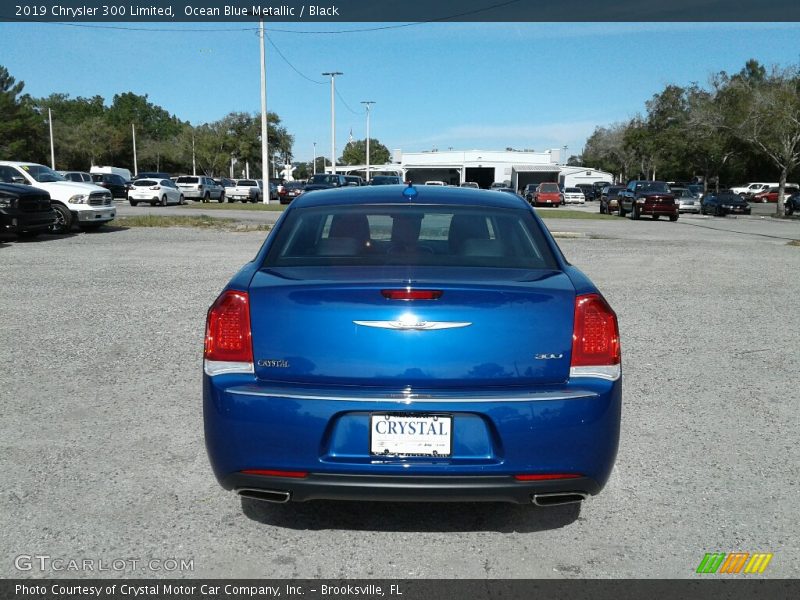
(20, 180)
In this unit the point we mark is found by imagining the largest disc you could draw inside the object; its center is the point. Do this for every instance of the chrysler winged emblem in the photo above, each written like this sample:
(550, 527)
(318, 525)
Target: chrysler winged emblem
(412, 323)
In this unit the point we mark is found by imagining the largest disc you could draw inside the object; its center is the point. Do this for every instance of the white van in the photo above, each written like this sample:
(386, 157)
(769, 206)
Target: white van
(124, 173)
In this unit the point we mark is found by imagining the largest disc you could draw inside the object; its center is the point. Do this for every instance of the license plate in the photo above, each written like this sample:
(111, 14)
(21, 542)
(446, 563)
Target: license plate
(410, 435)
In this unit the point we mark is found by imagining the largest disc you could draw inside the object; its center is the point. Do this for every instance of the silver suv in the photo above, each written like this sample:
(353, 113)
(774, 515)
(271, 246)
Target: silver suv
(199, 187)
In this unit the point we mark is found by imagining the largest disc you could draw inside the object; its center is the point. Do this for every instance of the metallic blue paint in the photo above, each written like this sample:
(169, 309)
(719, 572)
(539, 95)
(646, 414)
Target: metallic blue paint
(512, 413)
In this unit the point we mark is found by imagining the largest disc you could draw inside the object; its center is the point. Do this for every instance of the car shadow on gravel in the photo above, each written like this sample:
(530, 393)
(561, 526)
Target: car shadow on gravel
(411, 516)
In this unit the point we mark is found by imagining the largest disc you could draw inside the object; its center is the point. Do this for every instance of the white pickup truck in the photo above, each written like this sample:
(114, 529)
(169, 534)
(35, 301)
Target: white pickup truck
(751, 189)
(246, 190)
(85, 204)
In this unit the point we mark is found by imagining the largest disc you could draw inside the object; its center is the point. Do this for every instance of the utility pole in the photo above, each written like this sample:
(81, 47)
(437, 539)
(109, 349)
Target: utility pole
(314, 164)
(135, 164)
(333, 118)
(264, 131)
(368, 104)
(52, 147)
(194, 164)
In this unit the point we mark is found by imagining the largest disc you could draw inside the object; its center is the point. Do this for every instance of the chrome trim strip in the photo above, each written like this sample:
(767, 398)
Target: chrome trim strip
(415, 326)
(610, 372)
(219, 367)
(409, 398)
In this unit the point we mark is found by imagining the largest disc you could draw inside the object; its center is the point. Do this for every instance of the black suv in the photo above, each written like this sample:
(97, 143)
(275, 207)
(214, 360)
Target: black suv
(328, 179)
(25, 210)
(115, 184)
(587, 189)
(791, 204)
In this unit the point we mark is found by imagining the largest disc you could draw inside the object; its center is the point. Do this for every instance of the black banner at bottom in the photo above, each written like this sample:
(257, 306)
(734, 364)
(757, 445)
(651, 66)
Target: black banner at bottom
(400, 589)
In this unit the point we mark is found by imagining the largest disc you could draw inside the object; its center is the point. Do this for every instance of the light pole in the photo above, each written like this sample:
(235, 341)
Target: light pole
(52, 146)
(333, 75)
(564, 160)
(135, 163)
(314, 163)
(264, 131)
(368, 104)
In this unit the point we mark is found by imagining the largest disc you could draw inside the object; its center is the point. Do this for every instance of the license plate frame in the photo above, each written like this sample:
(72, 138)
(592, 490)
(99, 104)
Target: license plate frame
(382, 442)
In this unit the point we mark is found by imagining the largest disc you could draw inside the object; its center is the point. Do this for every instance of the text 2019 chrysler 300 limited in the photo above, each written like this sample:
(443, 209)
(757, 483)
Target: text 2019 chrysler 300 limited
(402, 343)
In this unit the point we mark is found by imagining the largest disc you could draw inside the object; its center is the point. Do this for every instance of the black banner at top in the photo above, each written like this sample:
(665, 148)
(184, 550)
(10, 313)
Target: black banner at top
(322, 11)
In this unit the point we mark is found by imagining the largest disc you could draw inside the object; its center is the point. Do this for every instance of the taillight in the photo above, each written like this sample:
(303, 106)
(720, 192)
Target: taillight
(409, 294)
(595, 339)
(228, 347)
(155, 187)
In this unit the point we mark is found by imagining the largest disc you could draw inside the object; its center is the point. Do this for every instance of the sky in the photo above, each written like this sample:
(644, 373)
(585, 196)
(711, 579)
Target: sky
(463, 86)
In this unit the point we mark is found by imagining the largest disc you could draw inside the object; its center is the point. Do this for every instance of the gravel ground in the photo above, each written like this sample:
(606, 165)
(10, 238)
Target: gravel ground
(102, 443)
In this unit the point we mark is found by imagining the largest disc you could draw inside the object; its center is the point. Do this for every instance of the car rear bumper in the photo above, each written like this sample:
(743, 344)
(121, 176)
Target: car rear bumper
(402, 488)
(568, 429)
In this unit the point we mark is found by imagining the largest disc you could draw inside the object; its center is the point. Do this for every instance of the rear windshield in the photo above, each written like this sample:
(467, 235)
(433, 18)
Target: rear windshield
(379, 235)
(186, 180)
(144, 183)
(549, 187)
(247, 182)
(573, 191)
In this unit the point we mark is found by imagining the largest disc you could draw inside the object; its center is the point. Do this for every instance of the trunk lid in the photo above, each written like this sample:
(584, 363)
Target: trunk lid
(518, 332)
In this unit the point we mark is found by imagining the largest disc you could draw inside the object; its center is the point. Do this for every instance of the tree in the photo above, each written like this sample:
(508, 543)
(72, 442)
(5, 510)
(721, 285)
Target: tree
(355, 153)
(80, 133)
(23, 132)
(606, 150)
(762, 109)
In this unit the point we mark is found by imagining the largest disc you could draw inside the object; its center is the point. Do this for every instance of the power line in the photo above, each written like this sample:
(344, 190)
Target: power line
(347, 106)
(286, 60)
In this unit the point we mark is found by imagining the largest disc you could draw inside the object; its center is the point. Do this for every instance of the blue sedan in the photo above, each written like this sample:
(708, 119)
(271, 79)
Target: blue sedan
(401, 343)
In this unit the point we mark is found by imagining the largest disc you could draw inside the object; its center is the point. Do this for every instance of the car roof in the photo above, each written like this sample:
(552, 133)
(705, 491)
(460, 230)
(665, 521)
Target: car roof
(393, 194)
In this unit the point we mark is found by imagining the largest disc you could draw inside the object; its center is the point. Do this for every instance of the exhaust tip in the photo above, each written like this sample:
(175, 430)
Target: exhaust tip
(275, 496)
(559, 498)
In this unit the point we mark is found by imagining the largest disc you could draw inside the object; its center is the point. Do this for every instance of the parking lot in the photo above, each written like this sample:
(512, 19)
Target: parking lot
(102, 437)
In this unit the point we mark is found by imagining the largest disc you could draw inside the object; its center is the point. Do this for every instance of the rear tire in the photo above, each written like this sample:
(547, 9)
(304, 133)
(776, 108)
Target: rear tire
(655, 217)
(182, 200)
(133, 202)
(788, 209)
(222, 197)
(673, 218)
(206, 198)
(163, 200)
(635, 212)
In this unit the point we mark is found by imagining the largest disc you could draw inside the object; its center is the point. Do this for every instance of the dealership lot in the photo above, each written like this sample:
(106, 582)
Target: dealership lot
(102, 439)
